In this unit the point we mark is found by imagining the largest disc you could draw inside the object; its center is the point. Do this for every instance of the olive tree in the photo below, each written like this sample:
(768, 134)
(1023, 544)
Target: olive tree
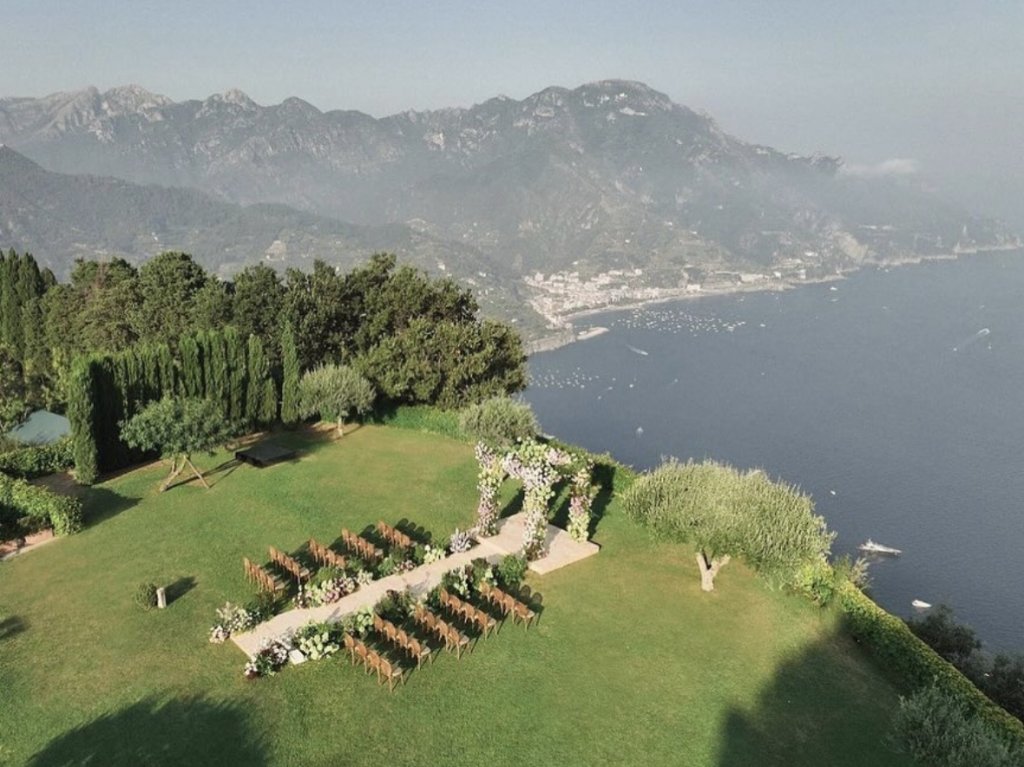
(177, 428)
(499, 421)
(725, 513)
(334, 391)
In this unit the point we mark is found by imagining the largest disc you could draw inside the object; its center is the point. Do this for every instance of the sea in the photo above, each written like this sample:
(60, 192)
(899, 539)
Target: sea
(894, 397)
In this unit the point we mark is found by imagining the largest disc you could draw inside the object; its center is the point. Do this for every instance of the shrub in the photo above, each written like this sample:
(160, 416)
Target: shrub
(264, 606)
(937, 728)
(951, 639)
(915, 664)
(500, 421)
(64, 513)
(480, 572)
(433, 554)
(232, 620)
(38, 461)
(456, 580)
(395, 605)
(145, 596)
(511, 571)
(317, 640)
(359, 623)
(269, 659)
(1005, 683)
(460, 542)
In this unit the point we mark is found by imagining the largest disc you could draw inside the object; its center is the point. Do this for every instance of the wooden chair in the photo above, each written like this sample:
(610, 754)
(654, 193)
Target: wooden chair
(456, 641)
(419, 651)
(390, 632)
(350, 647)
(484, 621)
(523, 613)
(378, 623)
(390, 673)
(373, 663)
(362, 652)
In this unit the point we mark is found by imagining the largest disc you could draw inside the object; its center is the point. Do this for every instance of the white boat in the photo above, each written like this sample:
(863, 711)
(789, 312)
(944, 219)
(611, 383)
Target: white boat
(876, 548)
(921, 605)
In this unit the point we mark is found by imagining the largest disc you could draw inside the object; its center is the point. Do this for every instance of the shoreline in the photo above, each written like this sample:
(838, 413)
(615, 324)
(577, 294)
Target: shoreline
(567, 334)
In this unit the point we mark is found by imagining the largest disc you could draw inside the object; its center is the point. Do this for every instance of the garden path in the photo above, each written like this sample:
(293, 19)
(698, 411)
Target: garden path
(561, 551)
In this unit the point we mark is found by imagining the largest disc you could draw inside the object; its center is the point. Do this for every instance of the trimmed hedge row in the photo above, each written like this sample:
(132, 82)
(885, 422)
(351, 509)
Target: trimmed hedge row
(915, 664)
(32, 462)
(63, 512)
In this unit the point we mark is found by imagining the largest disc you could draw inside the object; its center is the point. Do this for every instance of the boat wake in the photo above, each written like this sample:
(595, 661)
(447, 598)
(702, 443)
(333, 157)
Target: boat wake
(633, 349)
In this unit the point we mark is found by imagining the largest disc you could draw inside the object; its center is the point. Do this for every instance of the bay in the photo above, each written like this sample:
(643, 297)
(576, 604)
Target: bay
(894, 397)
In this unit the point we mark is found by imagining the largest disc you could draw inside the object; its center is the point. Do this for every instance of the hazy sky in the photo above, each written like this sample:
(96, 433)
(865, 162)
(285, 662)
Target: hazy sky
(938, 83)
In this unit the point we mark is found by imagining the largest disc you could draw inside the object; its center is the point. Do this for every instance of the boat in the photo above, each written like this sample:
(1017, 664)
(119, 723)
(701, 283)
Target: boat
(920, 604)
(876, 548)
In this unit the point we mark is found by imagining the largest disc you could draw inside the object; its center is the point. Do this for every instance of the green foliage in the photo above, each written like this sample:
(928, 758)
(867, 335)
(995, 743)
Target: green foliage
(261, 397)
(334, 391)
(291, 377)
(82, 393)
(62, 512)
(38, 461)
(168, 286)
(264, 606)
(317, 640)
(396, 606)
(177, 427)
(821, 581)
(450, 364)
(145, 596)
(936, 728)
(499, 421)
(511, 571)
(954, 641)
(1004, 683)
(725, 512)
(236, 373)
(915, 665)
(258, 306)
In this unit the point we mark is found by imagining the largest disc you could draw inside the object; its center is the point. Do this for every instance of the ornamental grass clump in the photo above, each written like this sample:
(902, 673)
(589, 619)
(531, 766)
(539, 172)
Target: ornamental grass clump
(145, 596)
(460, 541)
(231, 619)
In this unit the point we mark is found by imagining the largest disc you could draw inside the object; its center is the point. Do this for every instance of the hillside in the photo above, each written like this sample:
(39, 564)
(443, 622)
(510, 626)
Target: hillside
(604, 179)
(61, 217)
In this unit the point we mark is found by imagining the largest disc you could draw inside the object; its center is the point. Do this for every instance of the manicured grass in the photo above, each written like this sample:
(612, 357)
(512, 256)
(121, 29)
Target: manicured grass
(629, 664)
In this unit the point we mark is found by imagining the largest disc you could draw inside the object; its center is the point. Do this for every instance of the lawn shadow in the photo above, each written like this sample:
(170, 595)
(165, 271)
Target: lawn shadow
(180, 588)
(102, 503)
(11, 626)
(514, 506)
(160, 733)
(820, 707)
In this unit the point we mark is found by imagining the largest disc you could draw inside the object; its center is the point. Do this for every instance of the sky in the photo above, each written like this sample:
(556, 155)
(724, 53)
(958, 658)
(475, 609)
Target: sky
(932, 88)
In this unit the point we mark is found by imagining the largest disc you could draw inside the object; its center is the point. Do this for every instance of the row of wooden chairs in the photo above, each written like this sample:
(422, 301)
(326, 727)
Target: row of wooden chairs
(396, 538)
(410, 645)
(326, 556)
(507, 604)
(454, 640)
(467, 612)
(256, 574)
(285, 562)
(374, 662)
(361, 546)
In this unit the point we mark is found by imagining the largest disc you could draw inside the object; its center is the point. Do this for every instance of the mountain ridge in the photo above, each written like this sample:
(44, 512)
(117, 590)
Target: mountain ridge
(610, 176)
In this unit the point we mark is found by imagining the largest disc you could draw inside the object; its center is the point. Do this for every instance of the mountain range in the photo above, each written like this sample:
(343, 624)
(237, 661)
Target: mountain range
(567, 198)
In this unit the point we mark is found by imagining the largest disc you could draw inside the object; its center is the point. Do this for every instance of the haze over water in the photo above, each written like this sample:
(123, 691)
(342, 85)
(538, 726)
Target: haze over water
(896, 398)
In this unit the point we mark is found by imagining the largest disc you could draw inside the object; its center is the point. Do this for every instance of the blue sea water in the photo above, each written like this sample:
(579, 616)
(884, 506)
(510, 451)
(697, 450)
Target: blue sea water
(895, 397)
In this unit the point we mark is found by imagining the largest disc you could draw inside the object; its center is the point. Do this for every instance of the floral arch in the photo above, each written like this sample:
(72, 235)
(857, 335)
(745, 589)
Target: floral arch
(540, 468)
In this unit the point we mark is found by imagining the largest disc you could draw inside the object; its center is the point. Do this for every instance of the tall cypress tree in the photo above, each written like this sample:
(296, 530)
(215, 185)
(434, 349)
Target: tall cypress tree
(190, 382)
(236, 375)
(290, 376)
(81, 413)
(258, 410)
(217, 371)
(10, 307)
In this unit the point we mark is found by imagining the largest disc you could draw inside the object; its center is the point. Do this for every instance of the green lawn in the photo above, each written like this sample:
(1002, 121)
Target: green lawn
(629, 664)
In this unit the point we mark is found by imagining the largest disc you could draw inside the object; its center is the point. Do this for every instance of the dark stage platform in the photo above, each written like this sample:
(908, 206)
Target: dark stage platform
(264, 454)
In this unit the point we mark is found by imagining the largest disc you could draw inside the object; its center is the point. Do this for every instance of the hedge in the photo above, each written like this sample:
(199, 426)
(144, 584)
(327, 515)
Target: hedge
(915, 664)
(32, 462)
(63, 512)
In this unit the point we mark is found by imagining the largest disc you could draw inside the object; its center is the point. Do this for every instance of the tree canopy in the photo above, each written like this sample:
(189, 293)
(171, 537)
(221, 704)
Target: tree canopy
(725, 513)
(177, 428)
(335, 391)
